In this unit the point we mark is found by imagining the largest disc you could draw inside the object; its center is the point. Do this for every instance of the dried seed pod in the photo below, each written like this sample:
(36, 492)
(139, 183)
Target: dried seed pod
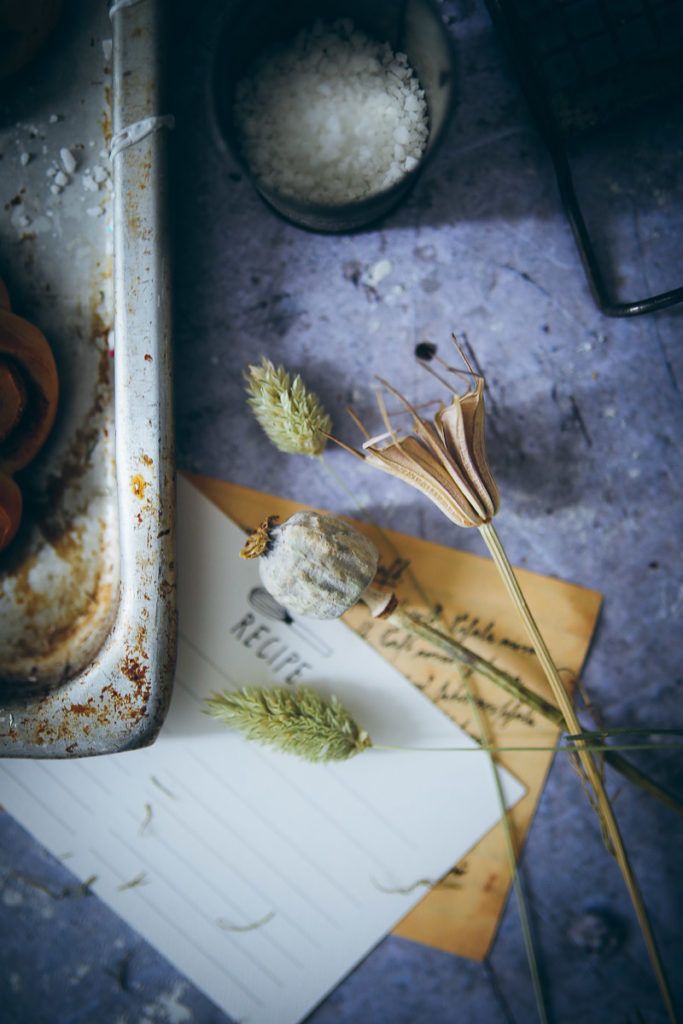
(317, 565)
(29, 391)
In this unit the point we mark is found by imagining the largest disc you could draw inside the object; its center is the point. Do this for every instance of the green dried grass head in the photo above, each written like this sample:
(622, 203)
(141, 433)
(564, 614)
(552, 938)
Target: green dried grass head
(290, 415)
(297, 721)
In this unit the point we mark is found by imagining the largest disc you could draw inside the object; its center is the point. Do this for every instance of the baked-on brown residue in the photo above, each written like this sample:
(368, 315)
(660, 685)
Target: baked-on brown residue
(134, 670)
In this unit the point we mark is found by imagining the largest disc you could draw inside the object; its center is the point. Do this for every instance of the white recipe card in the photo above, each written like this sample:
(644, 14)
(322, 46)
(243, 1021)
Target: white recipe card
(263, 878)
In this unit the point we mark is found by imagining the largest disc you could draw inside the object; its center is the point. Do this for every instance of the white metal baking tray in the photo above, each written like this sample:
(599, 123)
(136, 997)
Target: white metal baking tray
(87, 587)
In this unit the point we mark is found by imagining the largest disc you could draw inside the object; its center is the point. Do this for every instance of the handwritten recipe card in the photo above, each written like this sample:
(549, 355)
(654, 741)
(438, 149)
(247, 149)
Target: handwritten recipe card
(475, 607)
(264, 879)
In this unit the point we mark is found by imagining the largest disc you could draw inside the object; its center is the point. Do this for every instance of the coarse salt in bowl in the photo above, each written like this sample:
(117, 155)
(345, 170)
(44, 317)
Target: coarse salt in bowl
(331, 124)
(332, 118)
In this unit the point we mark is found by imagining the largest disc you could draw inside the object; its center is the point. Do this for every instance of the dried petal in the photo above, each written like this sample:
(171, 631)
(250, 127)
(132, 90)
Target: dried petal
(462, 427)
(445, 460)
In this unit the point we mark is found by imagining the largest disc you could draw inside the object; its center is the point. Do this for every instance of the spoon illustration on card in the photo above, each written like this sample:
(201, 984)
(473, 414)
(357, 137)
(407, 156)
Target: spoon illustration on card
(263, 602)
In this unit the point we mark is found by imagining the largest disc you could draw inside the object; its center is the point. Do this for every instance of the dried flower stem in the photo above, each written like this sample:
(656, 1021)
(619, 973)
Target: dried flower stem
(411, 623)
(585, 757)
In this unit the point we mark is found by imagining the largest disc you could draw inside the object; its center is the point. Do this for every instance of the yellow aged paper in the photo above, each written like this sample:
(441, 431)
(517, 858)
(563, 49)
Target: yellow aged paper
(461, 913)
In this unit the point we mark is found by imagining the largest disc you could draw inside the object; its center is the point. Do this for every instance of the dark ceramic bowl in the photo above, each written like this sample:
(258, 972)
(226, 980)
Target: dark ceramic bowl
(413, 27)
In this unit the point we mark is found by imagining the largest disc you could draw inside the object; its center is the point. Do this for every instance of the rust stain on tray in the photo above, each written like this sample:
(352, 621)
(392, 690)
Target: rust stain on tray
(138, 485)
(135, 670)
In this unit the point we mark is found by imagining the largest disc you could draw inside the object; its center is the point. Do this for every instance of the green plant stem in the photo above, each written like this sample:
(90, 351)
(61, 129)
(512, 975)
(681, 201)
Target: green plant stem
(585, 757)
(412, 624)
(633, 774)
(512, 859)
(556, 748)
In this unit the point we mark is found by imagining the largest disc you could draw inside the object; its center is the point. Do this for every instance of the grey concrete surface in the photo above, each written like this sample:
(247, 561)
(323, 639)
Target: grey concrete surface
(584, 434)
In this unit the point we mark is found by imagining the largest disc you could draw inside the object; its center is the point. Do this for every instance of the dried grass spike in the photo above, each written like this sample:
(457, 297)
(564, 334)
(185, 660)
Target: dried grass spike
(298, 722)
(290, 415)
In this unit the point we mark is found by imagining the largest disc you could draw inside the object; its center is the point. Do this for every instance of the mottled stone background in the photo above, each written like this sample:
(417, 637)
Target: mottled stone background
(584, 434)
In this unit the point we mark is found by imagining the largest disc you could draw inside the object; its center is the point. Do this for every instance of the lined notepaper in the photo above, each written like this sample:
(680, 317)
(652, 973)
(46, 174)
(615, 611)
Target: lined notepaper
(264, 879)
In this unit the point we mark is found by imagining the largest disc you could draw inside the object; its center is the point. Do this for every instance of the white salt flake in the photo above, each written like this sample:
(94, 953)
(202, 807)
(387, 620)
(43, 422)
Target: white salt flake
(24, 158)
(61, 179)
(68, 160)
(376, 273)
(89, 183)
(99, 173)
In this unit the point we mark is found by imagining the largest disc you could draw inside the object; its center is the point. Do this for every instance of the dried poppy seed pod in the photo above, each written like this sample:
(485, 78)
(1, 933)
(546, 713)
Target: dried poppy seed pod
(315, 565)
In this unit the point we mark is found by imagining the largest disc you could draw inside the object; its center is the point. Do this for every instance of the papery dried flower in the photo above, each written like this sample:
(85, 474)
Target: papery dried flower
(297, 722)
(445, 459)
(290, 415)
(447, 462)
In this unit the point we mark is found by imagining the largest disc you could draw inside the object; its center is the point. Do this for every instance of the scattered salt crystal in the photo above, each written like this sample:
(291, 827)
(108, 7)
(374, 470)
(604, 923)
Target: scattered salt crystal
(53, 118)
(24, 158)
(61, 179)
(55, 189)
(94, 211)
(68, 160)
(376, 273)
(107, 47)
(51, 171)
(99, 174)
(89, 183)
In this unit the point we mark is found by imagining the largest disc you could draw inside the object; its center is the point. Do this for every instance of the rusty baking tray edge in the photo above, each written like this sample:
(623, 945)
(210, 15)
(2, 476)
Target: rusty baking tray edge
(120, 700)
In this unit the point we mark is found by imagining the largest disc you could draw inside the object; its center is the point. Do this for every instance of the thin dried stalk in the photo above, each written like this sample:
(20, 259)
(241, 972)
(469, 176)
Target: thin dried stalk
(512, 859)
(591, 771)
